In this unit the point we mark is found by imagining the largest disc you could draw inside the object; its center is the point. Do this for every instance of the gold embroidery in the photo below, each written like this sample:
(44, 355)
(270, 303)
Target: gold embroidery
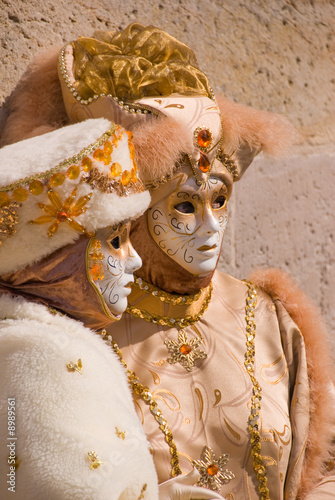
(212, 473)
(143, 490)
(143, 392)
(184, 351)
(161, 362)
(68, 162)
(94, 459)
(8, 220)
(59, 212)
(232, 431)
(266, 377)
(75, 367)
(155, 377)
(120, 434)
(282, 434)
(173, 322)
(217, 394)
(256, 397)
(201, 401)
(269, 461)
(169, 298)
(186, 421)
(157, 394)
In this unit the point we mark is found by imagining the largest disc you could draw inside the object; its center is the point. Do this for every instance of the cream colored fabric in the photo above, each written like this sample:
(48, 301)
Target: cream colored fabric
(61, 415)
(209, 405)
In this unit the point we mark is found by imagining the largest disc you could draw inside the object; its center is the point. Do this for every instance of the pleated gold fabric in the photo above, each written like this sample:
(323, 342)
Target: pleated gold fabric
(138, 62)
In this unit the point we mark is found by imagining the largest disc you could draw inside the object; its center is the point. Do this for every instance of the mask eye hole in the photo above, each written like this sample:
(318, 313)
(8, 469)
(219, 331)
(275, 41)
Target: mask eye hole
(185, 207)
(115, 242)
(218, 202)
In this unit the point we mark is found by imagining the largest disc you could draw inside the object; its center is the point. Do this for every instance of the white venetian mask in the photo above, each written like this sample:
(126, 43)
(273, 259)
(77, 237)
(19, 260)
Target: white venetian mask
(112, 263)
(188, 225)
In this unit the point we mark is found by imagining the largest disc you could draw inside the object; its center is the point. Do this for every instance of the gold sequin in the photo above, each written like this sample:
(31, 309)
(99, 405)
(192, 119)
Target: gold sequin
(75, 367)
(94, 459)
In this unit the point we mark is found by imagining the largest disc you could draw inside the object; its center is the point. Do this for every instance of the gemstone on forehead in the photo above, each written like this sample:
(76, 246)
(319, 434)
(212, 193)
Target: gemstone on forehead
(204, 163)
(203, 138)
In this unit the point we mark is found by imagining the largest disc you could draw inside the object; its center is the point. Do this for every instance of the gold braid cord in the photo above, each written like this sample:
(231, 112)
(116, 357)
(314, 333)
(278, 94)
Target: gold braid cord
(256, 398)
(143, 392)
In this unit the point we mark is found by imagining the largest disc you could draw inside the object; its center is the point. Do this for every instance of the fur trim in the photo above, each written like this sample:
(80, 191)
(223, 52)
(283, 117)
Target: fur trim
(158, 145)
(62, 415)
(36, 105)
(307, 317)
(260, 130)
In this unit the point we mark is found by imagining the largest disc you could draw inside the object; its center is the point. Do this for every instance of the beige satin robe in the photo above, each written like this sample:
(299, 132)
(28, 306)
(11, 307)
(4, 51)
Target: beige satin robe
(210, 404)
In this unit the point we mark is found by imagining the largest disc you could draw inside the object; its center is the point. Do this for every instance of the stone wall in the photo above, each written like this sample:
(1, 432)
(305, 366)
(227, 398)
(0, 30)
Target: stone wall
(275, 55)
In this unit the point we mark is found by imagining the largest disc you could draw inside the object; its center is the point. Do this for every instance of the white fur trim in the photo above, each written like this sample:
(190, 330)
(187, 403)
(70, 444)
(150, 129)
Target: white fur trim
(61, 415)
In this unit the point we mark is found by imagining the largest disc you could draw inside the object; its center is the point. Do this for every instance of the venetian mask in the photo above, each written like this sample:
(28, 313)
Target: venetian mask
(112, 263)
(188, 225)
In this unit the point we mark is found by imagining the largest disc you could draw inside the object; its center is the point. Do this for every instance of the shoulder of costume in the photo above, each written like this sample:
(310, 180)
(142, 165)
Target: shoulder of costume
(320, 365)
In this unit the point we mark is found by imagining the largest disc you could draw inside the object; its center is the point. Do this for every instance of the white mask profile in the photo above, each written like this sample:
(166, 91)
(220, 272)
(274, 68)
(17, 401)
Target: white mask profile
(113, 261)
(188, 225)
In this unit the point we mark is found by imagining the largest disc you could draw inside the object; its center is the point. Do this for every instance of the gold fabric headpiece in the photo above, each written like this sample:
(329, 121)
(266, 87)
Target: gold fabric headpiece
(138, 62)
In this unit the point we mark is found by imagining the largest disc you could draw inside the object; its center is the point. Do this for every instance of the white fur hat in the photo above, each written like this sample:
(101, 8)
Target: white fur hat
(62, 184)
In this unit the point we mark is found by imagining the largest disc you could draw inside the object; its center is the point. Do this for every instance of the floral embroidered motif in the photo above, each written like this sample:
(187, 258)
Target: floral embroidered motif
(212, 472)
(184, 351)
(59, 212)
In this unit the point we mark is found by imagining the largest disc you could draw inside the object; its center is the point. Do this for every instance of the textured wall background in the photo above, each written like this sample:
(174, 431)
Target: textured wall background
(272, 54)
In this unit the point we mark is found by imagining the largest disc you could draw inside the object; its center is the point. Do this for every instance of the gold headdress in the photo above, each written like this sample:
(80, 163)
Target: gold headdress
(138, 75)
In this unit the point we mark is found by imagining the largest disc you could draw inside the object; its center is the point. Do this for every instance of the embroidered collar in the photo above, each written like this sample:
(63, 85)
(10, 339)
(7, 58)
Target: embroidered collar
(157, 306)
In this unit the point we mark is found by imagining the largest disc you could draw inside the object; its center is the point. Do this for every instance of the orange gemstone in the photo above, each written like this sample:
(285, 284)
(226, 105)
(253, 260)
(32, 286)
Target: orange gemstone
(73, 172)
(57, 179)
(97, 272)
(116, 169)
(204, 138)
(107, 159)
(36, 187)
(204, 163)
(87, 164)
(185, 349)
(131, 151)
(99, 154)
(212, 469)
(130, 135)
(20, 194)
(108, 148)
(133, 175)
(126, 177)
(4, 199)
(62, 216)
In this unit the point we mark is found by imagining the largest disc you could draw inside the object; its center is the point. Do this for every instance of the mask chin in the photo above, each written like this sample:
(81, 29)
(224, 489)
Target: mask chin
(158, 268)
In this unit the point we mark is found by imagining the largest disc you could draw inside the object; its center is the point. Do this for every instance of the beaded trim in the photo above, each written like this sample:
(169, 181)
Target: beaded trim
(256, 397)
(169, 298)
(69, 161)
(130, 108)
(172, 322)
(133, 108)
(144, 393)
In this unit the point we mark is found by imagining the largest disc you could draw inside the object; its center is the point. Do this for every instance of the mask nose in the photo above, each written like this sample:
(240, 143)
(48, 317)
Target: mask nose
(211, 224)
(134, 261)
